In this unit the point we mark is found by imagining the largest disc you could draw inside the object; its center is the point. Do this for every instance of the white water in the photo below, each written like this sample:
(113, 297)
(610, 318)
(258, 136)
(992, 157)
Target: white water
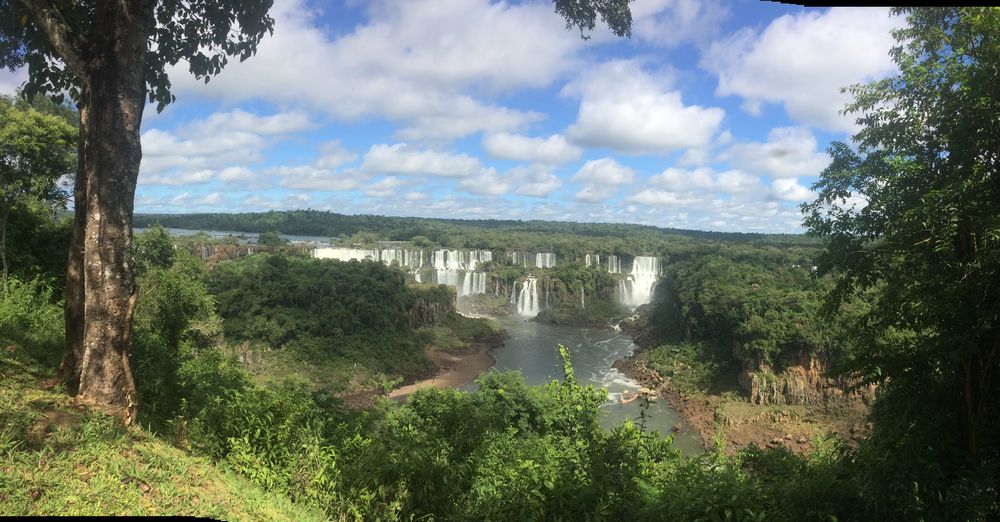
(544, 260)
(527, 301)
(458, 268)
(614, 265)
(346, 254)
(637, 288)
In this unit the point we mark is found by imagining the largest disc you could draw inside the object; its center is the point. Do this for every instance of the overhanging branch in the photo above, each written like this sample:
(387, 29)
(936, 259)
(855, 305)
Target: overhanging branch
(61, 36)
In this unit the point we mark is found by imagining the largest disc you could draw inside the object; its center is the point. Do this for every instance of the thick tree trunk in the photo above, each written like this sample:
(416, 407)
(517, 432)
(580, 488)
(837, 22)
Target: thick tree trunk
(99, 359)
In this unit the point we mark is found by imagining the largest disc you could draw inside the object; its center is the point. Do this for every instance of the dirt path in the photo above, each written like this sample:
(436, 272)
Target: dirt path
(454, 369)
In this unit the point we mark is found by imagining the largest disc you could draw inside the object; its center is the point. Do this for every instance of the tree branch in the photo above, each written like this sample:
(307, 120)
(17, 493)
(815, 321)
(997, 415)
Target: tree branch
(60, 34)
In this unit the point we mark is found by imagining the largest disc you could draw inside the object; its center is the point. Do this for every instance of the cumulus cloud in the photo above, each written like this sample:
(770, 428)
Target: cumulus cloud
(310, 177)
(554, 150)
(789, 189)
(534, 180)
(628, 110)
(802, 60)
(384, 187)
(424, 63)
(485, 183)
(789, 152)
(669, 23)
(402, 159)
(604, 171)
(333, 155)
(591, 194)
(223, 143)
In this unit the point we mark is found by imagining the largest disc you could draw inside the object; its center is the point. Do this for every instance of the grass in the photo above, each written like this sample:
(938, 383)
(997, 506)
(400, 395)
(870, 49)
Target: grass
(58, 459)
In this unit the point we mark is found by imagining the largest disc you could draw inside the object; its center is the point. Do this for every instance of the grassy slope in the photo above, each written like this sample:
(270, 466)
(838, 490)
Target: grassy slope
(57, 459)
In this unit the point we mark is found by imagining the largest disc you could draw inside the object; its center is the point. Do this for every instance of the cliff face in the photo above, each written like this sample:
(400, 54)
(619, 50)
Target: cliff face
(805, 379)
(431, 306)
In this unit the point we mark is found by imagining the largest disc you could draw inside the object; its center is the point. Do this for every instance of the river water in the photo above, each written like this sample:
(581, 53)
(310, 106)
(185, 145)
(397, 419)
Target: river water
(532, 349)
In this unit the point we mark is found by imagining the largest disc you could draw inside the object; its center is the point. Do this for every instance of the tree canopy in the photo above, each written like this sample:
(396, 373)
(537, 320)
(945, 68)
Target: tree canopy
(914, 212)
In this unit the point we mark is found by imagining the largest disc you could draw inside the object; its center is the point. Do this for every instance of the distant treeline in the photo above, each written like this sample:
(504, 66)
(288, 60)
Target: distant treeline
(445, 232)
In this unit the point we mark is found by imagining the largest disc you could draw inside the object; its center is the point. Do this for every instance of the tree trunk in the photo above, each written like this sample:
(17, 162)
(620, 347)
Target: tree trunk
(69, 369)
(111, 113)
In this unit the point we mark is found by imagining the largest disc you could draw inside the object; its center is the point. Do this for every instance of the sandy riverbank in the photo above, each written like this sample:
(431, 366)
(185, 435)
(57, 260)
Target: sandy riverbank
(454, 369)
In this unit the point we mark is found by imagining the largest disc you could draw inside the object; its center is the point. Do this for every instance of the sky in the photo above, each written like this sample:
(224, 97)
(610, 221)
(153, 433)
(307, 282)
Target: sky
(714, 115)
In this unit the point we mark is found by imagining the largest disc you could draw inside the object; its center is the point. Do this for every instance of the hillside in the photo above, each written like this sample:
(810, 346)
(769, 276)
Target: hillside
(58, 458)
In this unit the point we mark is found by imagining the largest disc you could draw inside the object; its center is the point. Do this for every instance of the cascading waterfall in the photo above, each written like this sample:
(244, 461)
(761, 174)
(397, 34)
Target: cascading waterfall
(458, 268)
(519, 258)
(513, 293)
(583, 300)
(614, 265)
(527, 302)
(637, 288)
(346, 254)
(592, 260)
(409, 259)
(545, 260)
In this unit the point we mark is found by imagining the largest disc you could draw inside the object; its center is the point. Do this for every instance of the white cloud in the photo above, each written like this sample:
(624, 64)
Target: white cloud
(236, 174)
(209, 200)
(681, 179)
(605, 171)
(669, 23)
(309, 177)
(625, 109)
(591, 194)
(736, 182)
(789, 189)
(260, 203)
(417, 62)
(485, 183)
(11, 81)
(402, 159)
(802, 60)
(554, 150)
(415, 196)
(661, 198)
(222, 143)
(789, 152)
(384, 188)
(534, 180)
(334, 155)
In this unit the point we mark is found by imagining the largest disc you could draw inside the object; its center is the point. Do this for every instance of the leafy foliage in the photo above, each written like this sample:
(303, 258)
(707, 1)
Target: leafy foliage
(926, 234)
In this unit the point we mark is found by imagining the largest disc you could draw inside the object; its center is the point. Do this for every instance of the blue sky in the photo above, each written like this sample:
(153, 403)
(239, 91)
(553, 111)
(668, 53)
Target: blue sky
(713, 116)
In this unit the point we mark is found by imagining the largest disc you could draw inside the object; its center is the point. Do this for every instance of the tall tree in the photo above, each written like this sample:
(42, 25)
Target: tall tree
(36, 149)
(915, 213)
(109, 56)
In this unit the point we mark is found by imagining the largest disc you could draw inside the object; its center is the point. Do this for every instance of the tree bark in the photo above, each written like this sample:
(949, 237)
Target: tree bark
(69, 369)
(98, 346)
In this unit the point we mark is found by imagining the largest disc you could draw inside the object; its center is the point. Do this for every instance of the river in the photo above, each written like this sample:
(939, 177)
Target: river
(532, 349)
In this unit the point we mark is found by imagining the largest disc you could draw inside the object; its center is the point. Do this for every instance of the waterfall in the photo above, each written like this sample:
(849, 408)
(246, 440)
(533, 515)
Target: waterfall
(496, 293)
(346, 254)
(592, 260)
(544, 260)
(614, 265)
(409, 259)
(458, 268)
(527, 302)
(637, 288)
(548, 287)
(513, 293)
(518, 258)
(583, 301)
